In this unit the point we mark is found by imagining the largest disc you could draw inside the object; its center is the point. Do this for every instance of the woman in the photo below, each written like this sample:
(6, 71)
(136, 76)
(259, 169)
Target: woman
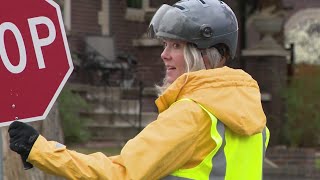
(210, 125)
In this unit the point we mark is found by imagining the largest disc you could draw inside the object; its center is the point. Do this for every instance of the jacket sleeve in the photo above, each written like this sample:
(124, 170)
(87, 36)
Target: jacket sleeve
(162, 147)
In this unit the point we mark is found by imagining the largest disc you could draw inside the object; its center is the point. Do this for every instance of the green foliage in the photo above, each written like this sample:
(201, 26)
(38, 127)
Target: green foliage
(74, 126)
(318, 163)
(303, 116)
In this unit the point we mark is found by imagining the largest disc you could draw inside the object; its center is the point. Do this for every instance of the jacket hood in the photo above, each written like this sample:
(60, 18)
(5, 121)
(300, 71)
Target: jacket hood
(232, 95)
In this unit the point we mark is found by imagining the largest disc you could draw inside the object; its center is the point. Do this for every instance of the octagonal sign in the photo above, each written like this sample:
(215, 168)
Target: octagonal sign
(35, 60)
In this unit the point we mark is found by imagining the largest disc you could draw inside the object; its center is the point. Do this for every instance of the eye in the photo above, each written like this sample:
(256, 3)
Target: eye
(164, 44)
(176, 45)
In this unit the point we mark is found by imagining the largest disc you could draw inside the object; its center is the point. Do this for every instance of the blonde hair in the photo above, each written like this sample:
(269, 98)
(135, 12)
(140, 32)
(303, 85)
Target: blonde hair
(194, 62)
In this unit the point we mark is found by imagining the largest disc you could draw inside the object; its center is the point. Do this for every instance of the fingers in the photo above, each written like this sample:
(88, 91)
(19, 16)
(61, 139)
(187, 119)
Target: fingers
(13, 133)
(15, 138)
(16, 125)
(14, 146)
(15, 129)
(19, 147)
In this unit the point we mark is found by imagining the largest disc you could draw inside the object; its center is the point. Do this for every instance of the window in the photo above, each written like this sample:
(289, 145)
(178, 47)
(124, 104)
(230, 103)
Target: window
(136, 10)
(134, 4)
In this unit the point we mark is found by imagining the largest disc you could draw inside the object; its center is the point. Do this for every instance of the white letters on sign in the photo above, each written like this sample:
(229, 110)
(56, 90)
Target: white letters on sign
(22, 49)
(37, 43)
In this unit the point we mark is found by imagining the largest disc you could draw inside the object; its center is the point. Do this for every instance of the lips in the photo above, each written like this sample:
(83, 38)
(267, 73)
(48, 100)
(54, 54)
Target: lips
(170, 67)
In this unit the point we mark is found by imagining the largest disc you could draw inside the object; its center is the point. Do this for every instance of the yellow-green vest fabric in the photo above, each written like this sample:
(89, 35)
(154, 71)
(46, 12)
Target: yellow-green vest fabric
(234, 158)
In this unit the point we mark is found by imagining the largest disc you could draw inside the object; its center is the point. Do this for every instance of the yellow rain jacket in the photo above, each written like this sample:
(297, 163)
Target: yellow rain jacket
(178, 139)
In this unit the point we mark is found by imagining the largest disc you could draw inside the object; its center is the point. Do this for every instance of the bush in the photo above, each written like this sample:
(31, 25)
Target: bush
(303, 104)
(74, 126)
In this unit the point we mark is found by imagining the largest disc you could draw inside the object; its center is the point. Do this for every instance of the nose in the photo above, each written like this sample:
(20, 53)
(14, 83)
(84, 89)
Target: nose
(165, 55)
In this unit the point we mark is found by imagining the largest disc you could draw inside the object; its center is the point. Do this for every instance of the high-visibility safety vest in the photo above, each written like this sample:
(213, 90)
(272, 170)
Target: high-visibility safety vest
(234, 158)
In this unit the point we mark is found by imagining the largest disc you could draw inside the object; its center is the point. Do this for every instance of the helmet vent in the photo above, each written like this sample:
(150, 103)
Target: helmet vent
(179, 7)
(202, 1)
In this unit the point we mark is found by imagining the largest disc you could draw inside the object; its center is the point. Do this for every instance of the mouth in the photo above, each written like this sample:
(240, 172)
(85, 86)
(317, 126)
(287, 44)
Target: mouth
(170, 68)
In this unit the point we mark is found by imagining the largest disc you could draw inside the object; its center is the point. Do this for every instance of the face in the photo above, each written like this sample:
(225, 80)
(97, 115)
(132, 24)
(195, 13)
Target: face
(173, 59)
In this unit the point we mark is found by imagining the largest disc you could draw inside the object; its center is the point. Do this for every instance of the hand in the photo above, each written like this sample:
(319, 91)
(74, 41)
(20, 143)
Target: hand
(22, 137)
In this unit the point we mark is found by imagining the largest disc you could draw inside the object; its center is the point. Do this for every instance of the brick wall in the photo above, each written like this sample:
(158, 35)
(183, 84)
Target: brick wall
(270, 72)
(122, 30)
(150, 68)
(84, 19)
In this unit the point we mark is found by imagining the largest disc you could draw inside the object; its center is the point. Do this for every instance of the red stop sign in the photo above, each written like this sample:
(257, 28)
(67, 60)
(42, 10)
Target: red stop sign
(35, 60)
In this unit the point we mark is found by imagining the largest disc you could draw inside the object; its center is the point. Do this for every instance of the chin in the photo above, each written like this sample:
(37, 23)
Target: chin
(169, 80)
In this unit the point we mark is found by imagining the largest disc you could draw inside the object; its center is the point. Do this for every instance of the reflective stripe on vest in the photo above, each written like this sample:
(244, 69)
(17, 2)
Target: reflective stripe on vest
(234, 157)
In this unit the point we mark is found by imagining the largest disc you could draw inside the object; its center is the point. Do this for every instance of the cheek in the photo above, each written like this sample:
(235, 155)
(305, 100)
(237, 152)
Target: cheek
(181, 64)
